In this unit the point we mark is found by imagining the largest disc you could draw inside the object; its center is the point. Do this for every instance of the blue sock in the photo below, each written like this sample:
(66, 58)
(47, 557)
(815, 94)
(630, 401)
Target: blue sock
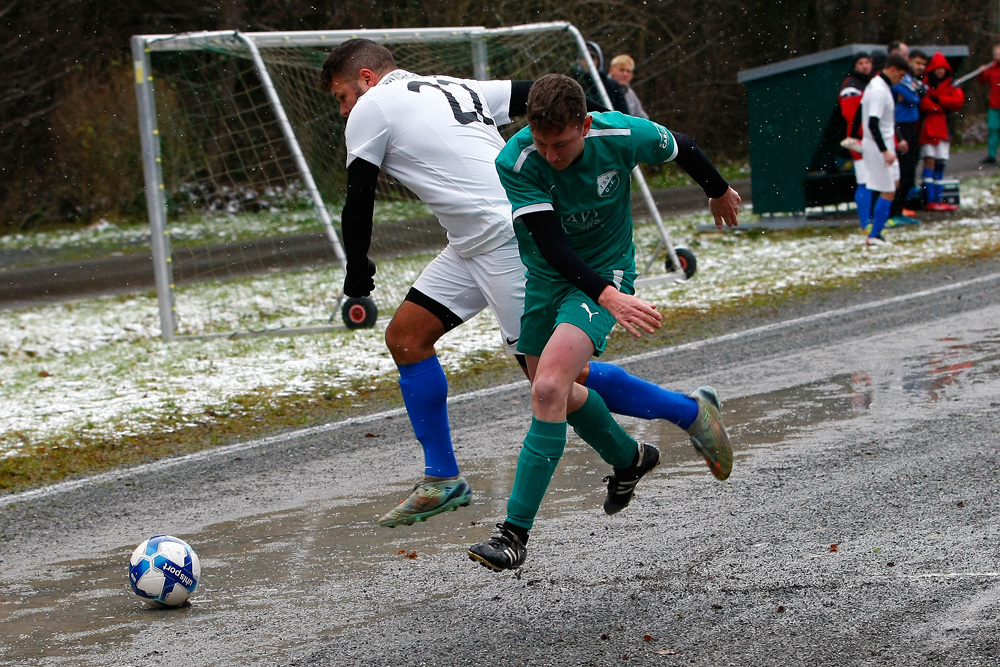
(880, 215)
(425, 394)
(863, 198)
(626, 394)
(928, 183)
(938, 184)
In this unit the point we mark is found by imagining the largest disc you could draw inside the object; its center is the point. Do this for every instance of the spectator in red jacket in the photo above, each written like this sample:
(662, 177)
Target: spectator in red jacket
(990, 77)
(935, 147)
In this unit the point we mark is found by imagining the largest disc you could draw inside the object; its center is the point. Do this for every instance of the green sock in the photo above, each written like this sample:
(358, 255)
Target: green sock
(595, 425)
(543, 447)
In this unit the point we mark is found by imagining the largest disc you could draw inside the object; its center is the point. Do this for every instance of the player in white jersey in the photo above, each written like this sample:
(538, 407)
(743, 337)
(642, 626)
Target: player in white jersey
(438, 136)
(878, 145)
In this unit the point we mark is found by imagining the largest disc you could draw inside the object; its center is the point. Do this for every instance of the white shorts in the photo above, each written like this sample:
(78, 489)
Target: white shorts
(939, 151)
(860, 173)
(466, 285)
(880, 177)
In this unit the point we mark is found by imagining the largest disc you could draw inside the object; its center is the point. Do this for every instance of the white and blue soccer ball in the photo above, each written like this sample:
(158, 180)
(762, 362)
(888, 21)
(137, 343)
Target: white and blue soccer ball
(164, 571)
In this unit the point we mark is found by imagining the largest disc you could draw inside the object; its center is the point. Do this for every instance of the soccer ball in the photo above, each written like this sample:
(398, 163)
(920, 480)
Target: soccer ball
(164, 571)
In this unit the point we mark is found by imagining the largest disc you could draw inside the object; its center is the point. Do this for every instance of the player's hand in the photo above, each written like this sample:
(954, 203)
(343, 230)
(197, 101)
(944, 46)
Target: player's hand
(726, 208)
(634, 314)
(889, 157)
(902, 146)
(359, 282)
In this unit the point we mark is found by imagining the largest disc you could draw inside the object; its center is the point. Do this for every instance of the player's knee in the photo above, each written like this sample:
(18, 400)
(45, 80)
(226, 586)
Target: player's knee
(548, 392)
(408, 344)
(939, 165)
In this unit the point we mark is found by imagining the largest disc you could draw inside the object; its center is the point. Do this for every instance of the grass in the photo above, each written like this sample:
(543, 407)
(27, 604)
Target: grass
(143, 399)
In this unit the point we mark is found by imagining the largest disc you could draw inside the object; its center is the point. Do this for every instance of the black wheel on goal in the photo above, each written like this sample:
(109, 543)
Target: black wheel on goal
(359, 313)
(687, 259)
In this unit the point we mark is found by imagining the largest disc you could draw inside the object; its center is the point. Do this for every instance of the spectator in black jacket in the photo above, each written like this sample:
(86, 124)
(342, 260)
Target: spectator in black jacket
(615, 92)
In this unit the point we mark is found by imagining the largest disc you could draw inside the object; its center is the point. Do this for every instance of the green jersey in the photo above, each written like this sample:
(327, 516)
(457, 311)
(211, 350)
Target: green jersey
(592, 197)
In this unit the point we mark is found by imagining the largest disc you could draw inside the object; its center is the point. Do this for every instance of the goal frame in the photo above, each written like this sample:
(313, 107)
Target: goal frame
(144, 45)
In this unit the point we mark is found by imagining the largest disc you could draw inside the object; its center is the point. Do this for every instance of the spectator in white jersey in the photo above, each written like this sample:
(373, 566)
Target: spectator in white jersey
(879, 144)
(437, 135)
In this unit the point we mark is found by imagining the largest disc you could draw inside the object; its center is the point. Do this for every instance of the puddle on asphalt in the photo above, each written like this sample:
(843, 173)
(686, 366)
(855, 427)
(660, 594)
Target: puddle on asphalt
(310, 554)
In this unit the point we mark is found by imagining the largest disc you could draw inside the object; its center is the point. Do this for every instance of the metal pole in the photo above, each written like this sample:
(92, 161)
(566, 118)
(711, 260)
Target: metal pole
(152, 168)
(480, 59)
(293, 143)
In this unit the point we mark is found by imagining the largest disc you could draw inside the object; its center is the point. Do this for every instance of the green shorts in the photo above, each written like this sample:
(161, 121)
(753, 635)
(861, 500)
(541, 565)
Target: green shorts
(549, 303)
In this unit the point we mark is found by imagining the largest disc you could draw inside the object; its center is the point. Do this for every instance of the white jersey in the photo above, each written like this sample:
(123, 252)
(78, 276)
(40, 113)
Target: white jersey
(438, 136)
(878, 101)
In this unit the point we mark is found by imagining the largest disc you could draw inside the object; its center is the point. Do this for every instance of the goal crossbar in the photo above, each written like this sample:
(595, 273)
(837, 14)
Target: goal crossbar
(253, 42)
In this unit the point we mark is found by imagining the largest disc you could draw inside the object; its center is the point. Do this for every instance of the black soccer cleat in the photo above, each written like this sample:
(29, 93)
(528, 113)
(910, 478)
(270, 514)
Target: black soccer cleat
(501, 552)
(621, 483)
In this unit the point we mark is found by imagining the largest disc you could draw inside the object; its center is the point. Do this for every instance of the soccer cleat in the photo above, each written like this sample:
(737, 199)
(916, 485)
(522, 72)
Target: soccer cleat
(872, 241)
(851, 144)
(988, 160)
(428, 499)
(501, 552)
(621, 483)
(708, 434)
(898, 220)
(865, 229)
(941, 207)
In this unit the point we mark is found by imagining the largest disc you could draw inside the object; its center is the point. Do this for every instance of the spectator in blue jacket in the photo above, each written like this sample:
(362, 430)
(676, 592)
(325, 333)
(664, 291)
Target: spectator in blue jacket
(908, 94)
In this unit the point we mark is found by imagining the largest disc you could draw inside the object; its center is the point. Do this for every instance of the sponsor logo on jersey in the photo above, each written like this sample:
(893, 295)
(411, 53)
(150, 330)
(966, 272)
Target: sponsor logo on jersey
(665, 137)
(581, 220)
(607, 183)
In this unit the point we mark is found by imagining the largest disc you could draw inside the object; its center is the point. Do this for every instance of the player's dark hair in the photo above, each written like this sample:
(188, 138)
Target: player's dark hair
(898, 61)
(350, 57)
(556, 102)
(917, 53)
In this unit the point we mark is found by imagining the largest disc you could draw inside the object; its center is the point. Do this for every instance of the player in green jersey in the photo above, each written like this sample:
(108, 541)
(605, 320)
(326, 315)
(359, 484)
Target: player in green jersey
(567, 178)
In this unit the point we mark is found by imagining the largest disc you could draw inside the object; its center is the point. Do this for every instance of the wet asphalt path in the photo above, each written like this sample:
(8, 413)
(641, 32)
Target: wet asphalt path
(858, 527)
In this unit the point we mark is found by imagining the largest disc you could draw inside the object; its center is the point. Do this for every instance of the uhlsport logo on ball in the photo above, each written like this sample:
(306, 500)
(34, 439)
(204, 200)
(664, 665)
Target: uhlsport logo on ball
(164, 571)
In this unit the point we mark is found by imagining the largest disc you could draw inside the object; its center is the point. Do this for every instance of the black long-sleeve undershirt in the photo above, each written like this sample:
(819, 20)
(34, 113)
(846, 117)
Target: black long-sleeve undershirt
(693, 160)
(359, 209)
(555, 249)
(519, 99)
(876, 133)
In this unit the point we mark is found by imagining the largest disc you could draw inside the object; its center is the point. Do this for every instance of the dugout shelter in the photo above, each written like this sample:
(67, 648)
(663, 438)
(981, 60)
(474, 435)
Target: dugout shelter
(796, 161)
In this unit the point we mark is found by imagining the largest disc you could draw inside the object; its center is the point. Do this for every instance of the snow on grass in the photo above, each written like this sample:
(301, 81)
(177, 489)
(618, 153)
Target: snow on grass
(99, 367)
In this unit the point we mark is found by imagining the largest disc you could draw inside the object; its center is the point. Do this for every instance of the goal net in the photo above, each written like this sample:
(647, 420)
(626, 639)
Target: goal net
(245, 173)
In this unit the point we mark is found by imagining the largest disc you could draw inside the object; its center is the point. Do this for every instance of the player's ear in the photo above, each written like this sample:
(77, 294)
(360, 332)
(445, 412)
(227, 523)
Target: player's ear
(586, 124)
(368, 76)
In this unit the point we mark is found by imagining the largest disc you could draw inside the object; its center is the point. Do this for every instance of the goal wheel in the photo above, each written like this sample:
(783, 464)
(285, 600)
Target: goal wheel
(688, 262)
(359, 313)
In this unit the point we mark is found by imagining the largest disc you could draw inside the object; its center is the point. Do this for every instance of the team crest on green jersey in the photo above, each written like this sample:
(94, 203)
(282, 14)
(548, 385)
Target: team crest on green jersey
(607, 183)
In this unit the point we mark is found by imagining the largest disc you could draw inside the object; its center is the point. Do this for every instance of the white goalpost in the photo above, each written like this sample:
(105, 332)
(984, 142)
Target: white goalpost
(244, 167)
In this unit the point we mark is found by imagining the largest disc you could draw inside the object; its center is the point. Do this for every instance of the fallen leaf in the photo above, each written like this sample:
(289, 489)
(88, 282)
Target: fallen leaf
(44, 374)
(648, 638)
(781, 610)
(833, 547)
(667, 651)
